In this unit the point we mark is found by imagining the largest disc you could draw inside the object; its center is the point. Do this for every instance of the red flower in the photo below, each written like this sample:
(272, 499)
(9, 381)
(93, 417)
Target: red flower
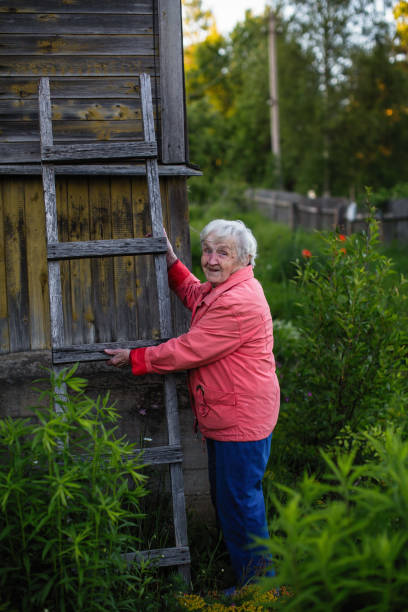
(343, 251)
(306, 253)
(342, 237)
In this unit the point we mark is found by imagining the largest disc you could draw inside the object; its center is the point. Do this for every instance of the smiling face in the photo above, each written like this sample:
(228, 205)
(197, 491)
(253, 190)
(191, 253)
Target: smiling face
(219, 259)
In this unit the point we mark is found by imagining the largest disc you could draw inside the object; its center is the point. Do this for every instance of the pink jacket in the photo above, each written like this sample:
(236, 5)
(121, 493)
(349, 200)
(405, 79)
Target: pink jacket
(228, 353)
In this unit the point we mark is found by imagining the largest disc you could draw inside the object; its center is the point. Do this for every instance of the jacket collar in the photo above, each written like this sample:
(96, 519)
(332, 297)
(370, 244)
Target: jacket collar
(210, 294)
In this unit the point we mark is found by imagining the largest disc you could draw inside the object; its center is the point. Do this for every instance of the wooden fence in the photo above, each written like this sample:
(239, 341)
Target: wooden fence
(327, 213)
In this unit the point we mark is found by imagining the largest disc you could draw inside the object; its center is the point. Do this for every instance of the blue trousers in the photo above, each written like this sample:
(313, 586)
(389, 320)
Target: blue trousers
(235, 472)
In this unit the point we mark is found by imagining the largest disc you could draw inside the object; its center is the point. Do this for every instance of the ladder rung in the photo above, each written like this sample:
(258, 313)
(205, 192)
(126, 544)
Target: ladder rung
(179, 555)
(95, 352)
(161, 454)
(99, 150)
(106, 248)
(157, 455)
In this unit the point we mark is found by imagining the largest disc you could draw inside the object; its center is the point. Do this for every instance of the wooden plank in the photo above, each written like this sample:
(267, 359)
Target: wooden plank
(157, 455)
(101, 269)
(20, 152)
(148, 323)
(176, 473)
(172, 82)
(48, 176)
(54, 273)
(106, 248)
(125, 296)
(71, 109)
(91, 44)
(76, 6)
(82, 87)
(75, 23)
(95, 352)
(45, 115)
(16, 265)
(162, 454)
(68, 66)
(98, 169)
(4, 328)
(37, 265)
(155, 209)
(163, 557)
(73, 131)
(65, 270)
(91, 151)
(179, 232)
(83, 328)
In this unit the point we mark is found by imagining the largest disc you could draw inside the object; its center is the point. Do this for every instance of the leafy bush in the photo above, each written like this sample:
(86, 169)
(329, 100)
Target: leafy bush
(341, 544)
(69, 494)
(347, 370)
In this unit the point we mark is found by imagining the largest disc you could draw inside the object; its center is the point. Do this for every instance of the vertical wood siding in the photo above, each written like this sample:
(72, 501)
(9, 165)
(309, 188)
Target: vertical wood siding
(104, 299)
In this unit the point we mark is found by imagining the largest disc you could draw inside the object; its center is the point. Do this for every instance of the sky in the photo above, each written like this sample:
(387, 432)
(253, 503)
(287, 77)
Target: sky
(228, 12)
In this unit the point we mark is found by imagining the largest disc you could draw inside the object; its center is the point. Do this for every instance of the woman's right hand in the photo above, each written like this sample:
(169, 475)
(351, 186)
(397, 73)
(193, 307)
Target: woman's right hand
(171, 257)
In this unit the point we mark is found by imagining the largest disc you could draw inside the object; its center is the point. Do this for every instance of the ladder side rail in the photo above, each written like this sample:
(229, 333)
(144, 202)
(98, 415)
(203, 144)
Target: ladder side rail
(51, 224)
(176, 472)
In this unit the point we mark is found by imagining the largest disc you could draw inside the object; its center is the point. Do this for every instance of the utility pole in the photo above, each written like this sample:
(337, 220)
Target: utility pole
(273, 94)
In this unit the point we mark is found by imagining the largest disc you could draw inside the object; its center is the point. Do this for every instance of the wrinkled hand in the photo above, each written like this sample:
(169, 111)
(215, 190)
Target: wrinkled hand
(120, 357)
(171, 257)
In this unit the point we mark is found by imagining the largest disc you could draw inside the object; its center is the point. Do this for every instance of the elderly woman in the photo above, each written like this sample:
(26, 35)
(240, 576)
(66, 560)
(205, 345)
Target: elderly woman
(232, 381)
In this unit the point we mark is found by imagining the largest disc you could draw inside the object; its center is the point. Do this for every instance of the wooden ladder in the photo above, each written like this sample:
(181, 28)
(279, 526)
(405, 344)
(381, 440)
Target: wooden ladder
(56, 251)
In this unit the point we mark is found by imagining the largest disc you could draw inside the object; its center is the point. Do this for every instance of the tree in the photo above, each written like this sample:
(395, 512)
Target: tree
(196, 21)
(372, 130)
(328, 28)
(343, 112)
(400, 12)
(227, 101)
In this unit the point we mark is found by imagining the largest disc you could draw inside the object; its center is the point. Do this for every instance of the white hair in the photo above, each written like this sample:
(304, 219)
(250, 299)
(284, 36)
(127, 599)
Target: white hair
(244, 239)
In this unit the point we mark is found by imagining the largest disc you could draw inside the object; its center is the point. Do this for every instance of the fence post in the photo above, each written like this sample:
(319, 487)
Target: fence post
(294, 216)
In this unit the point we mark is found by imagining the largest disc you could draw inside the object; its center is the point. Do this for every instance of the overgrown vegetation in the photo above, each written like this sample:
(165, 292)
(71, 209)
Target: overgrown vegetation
(338, 538)
(346, 370)
(340, 323)
(341, 541)
(70, 494)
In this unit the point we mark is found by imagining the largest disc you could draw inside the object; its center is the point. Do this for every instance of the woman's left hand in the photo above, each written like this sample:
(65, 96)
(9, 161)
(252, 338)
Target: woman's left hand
(120, 357)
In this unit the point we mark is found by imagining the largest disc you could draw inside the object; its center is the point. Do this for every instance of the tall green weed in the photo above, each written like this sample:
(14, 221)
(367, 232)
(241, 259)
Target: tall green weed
(341, 543)
(70, 493)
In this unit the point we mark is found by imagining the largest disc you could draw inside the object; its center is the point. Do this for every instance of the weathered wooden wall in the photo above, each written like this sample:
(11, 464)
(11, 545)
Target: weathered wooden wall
(93, 53)
(105, 299)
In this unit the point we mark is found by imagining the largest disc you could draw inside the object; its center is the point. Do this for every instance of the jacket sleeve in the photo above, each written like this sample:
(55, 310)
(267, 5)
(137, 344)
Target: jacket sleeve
(214, 337)
(186, 286)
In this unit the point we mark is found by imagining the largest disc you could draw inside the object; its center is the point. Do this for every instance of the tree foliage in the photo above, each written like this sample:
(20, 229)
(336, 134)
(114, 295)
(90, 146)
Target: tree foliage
(342, 101)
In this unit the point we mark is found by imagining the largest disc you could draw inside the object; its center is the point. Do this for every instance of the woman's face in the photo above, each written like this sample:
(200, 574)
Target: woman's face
(219, 259)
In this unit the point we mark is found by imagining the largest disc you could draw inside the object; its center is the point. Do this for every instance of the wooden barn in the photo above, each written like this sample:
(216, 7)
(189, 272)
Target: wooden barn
(93, 53)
